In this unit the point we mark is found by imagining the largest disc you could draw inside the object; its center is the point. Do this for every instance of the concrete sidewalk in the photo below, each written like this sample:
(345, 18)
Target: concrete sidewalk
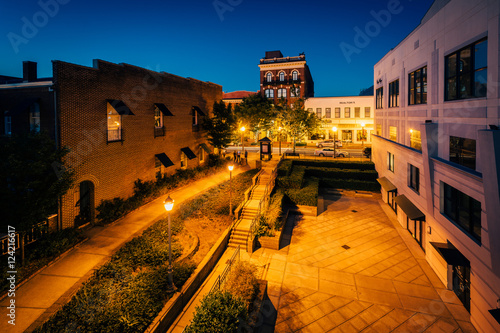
(43, 294)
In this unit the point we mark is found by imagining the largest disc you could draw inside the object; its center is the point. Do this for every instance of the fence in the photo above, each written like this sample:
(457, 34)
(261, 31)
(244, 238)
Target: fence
(221, 279)
(37, 232)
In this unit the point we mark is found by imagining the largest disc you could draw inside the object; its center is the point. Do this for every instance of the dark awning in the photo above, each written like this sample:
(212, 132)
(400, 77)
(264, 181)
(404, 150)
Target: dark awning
(120, 107)
(197, 109)
(189, 153)
(450, 254)
(163, 109)
(164, 160)
(22, 106)
(409, 208)
(266, 139)
(386, 184)
(496, 314)
(205, 148)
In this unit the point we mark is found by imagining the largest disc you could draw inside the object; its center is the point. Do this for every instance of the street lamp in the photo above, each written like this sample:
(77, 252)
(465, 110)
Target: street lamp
(169, 205)
(362, 135)
(230, 167)
(279, 130)
(334, 129)
(242, 129)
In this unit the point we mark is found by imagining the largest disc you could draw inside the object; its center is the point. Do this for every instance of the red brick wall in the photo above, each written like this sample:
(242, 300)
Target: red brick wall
(114, 166)
(306, 85)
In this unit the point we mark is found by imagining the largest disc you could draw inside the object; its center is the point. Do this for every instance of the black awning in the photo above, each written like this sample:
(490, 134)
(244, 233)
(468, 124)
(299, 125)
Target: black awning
(205, 148)
(120, 107)
(496, 314)
(163, 109)
(386, 184)
(409, 208)
(266, 139)
(22, 106)
(189, 153)
(197, 109)
(164, 160)
(450, 254)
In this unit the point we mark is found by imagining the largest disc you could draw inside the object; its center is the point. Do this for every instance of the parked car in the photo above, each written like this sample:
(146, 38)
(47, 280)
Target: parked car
(328, 143)
(367, 151)
(330, 152)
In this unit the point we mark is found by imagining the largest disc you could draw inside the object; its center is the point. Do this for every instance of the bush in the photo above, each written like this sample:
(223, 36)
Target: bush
(308, 195)
(242, 282)
(285, 168)
(350, 184)
(218, 312)
(322, 172)
(336, 164)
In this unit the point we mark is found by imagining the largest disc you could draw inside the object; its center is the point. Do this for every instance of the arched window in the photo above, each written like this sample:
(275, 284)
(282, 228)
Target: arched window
(295, 75)
(282, 76)
(269, 77)
(35, 117)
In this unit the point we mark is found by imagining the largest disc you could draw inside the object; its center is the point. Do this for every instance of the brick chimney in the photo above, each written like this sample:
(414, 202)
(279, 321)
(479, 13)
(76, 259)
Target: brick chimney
(29, 71)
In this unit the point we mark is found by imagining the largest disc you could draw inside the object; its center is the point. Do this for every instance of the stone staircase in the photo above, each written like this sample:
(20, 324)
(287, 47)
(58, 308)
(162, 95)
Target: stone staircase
(241, 230)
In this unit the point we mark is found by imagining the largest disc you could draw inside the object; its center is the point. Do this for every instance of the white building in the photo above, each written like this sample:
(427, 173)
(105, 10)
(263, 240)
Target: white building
(437, 147)
(351, 115)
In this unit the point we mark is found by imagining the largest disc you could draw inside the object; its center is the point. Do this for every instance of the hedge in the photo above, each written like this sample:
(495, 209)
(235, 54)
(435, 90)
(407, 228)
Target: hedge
(307, 195)
(322, 172)
(336, 164)
(350, 184)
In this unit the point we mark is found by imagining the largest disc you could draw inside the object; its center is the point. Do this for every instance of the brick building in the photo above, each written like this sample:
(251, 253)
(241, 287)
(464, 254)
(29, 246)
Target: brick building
(120, 122)
(285, 77)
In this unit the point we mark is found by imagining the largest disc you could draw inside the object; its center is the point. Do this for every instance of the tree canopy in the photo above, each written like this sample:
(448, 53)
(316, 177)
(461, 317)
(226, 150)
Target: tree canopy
(256, 113)
(221, 126)
(32, 178)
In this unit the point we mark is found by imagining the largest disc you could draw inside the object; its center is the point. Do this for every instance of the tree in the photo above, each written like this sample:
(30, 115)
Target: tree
(220, 126)
(255, 113)
(32, 179)
(296, 121)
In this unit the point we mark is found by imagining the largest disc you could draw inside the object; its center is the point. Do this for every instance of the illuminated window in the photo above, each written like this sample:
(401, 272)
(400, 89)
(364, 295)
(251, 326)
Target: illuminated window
(417, 86)
(158, 118)
(294, 91)
(114, 125)
(269, 93)
(282, 93)
(282, 76)
(328, 112)
(415, 140)
(394, 94)
(466, 72)
(393, 133)
(347, 112)
(295, 75)
(35, 117)
(337, 112)
(319, 112)
(184, 160)
(367, 112)
(269, 77)
(357, 112)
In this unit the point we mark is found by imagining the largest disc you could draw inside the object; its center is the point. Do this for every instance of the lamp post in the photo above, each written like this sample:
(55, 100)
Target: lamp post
(362, 135)
(230, 167)
(334, 129)
(279, 130)
(169, 205)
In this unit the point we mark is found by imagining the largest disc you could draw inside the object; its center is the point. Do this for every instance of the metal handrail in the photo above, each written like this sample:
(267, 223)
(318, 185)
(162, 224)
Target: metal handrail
(37, 232)
(221, 279)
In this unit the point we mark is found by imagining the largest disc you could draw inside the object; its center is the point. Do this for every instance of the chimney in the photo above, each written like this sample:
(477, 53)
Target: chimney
(29, 71)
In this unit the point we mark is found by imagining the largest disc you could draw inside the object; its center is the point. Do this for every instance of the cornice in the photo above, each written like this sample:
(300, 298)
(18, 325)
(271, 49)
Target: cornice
(297, 64)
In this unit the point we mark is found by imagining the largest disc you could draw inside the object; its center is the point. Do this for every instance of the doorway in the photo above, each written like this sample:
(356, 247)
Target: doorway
(461, 284)
(85, 203)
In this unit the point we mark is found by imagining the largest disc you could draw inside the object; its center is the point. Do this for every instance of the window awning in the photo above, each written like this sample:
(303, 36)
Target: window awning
(22, 106)
(205, 148)
(197, 109)
(163, 109)
(450, 254)
(409, 208)
(120, 107)
(386, 184)
(164, 160)
(496, 314)
(189, 153)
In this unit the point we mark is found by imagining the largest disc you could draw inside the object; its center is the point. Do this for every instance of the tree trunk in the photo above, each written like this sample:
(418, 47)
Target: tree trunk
(294, 145)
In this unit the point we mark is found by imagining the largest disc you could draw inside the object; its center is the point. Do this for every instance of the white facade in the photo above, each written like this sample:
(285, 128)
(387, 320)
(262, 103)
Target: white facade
(348, 114)
(446, 126)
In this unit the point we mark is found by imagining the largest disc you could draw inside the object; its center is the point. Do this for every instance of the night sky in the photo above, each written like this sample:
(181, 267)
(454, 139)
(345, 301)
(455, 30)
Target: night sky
(219, 41)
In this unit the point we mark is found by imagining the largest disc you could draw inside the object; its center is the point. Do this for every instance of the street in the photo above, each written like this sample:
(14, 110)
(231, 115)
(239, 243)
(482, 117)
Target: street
(354, 151)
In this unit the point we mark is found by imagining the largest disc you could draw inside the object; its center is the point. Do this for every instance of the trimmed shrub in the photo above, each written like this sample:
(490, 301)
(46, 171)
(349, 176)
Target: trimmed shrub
(285, 168)
(307, 196)
(350, 184)
(337, 164)
(242, 282)
(219, 312)
(322, 172)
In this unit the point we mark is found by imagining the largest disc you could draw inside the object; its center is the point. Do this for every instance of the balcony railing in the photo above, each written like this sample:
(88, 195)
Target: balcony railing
(159, 131)
(278, 82)
(285, 59)
(115, 135)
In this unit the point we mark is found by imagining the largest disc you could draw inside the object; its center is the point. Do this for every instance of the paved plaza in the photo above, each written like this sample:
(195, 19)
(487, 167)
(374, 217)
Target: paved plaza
(354, 269)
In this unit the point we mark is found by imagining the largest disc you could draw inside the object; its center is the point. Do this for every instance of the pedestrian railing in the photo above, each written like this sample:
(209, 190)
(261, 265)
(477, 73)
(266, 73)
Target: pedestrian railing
(221, 279)
(37, 232)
